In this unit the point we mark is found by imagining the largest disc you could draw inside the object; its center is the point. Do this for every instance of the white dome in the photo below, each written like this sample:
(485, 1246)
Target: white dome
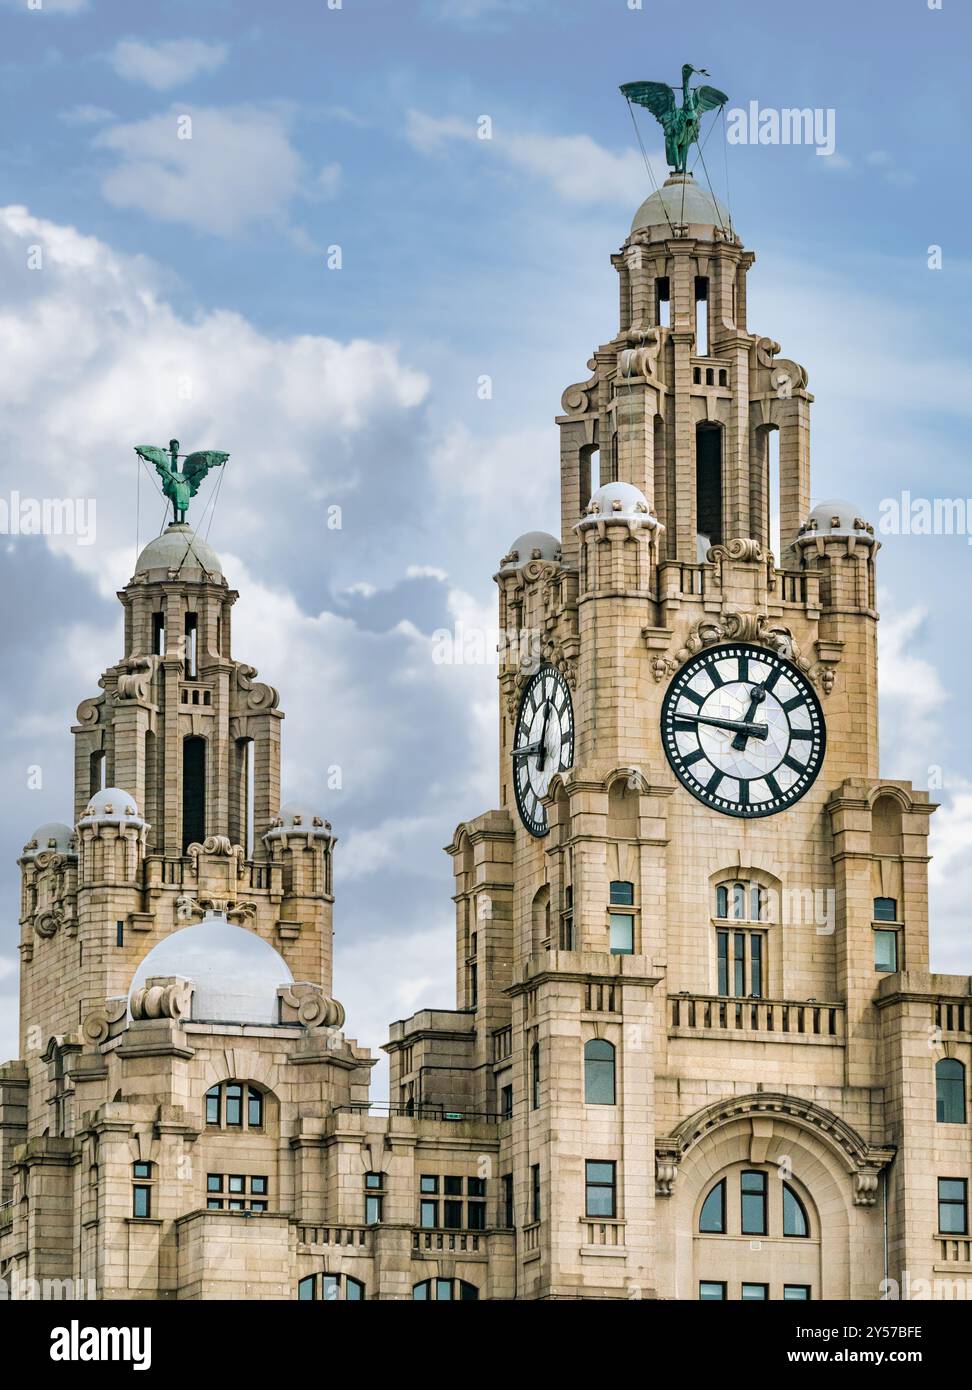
(178, 548)
(680, 200)
(618, 503)
(299, 819)
(837, 518)
(532, 545)
(235, 974)
(113, 805)
(55, 837)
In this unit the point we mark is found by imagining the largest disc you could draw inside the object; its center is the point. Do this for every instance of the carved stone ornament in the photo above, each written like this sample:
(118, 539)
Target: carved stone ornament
(49, 923)
(306, 1003)
(641, 359)
(106, 1022)
(259, 695)
(89, 711)
(134, 685)
(865, 1187)
(167, 997)
(233, 909)
(666, 1170)
(741, 627)
(579, 398)
(220, 845)
(741, 548)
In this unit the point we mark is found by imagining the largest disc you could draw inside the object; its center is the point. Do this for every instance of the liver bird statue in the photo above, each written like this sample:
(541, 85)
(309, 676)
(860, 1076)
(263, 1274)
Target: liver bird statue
(180, 485)
(680, 123)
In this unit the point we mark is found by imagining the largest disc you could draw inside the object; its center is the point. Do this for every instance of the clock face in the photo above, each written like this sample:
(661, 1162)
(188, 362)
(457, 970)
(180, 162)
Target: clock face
(543, 743)
(743, 730)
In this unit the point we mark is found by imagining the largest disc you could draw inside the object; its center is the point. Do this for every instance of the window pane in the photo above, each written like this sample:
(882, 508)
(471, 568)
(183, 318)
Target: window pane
(212, 1106)
(598, 1072)
(234, 1105)
(258, 1184)
(254, 1117)
(885, 909)
(950, 1092)
(214, 1204)
(794, 1217)
(952, 1206)
(622, 894)
(142, 1170)
(476, 1187)
(477, 1216)
(236, 1183)
(506, 1104)
(738, 963)
(452, 1216)
(330, 1288)
(535, 1186)
(754, 1291)
(258, 1206)
(722, 901)
(214, 1182)
(305, 1289)
(713, 1215)
(738, 901)
(421, 1291)
(353, 1288)
(372, 1211)
(756, 903)
(794, 1291)
(452, 1186)
(622, 934)
(756, 965)
(428, 1184)
(710, 1290)
(429, 1215)
(141, 1201)
(443, 1290)
(753, 1202)
(535, 1075)
(467, 1292)
(372, 1180)
(722, 939)
(886, 950)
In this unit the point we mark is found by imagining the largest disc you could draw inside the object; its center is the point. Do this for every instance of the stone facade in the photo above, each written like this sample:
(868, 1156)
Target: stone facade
(693, 1054)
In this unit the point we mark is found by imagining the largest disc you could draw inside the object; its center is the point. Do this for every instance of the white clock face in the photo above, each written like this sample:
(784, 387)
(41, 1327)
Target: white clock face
(743, 730)
(543, 743)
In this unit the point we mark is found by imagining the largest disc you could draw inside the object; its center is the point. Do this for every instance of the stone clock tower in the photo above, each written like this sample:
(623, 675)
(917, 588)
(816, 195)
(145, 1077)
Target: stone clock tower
(693, 938)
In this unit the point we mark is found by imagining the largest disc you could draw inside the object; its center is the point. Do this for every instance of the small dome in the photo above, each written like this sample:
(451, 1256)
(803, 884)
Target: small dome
(54, 837)
(178, 548)
(681, 200)
(837, 518)
(532, 545)
(112, 804)
(235, 973)
(618, 502)
(296, 817)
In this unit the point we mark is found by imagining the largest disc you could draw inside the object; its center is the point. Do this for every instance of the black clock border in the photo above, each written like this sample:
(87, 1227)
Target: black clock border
(546, 668)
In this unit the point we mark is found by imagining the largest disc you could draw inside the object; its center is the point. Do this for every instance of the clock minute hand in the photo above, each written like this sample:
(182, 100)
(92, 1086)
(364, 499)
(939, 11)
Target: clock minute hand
(744, 728)
(756, 696)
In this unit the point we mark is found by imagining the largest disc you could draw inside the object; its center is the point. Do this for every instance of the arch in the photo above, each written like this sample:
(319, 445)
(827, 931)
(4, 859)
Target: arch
(886, 824)
(623, 805)
(540, 920)
(444, 1290)
(838, 1137)
(235, 973)
(600, 1067)
(950, 1099)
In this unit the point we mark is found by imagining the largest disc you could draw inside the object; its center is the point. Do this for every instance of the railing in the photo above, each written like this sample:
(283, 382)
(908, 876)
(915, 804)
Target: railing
(794, 587)
(531, 1237)
(445, 1240)
(604, 1232)
(953, 1018)
(601, 998)
(502, 1044)
(810, 1018)
(334, 1235)
(259, 875)
(409, 1110)
(955, 1250)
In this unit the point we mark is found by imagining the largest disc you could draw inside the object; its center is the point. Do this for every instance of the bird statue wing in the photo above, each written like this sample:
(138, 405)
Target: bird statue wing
(151, 454)
(658, 97)
(196, 466)
(709, 98)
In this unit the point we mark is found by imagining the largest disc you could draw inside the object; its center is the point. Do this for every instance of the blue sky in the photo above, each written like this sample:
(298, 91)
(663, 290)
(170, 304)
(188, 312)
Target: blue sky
(206, 261)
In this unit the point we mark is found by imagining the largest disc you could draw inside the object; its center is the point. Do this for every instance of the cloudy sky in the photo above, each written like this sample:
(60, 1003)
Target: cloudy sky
(317, 281)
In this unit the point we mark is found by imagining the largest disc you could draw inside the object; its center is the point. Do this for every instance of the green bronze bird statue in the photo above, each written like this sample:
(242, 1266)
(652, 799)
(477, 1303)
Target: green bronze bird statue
(180, 485)
(680, 123)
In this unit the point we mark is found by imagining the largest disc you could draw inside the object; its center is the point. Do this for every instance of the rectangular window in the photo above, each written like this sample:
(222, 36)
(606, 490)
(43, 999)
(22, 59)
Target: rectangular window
(886, 951)
(622, 894)
(476, 1216)
(119, 933)
(953, 1206)
(428, 1215)
(753, 1203)
(506, 1103)
(710, 1290)
(601, 1194)
(452, 1186)
(254, 1108)
(237, 1183)
(373, 1180)
(885, 909)
(258, 1206)
(214, 1182)
(535, 1075)
(373, 1206)
(428, 1183)
(191, 632)
(663, 308)
(756, 965)
(622, 934)
(141, 1201)
(214, 1204)
(567, 920)
(212, 1106)
(755, 1291)
(234, 1104)
(258, 1185)
(476, 1187)
(452, 1216)
(796, 1291)
(740, 963)
(722, 938)
(535, 1192)
(508, 1201)
(702, 315)
(142, 1170)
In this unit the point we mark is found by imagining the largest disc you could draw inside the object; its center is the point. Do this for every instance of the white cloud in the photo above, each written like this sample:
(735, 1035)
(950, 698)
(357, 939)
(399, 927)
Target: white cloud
(86, 114)
(237, 166)
(51, 6)
(165, 64)
(912, 695)
(577, 167)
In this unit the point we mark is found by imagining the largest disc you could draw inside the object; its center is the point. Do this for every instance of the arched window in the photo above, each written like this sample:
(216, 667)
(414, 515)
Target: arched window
(541, 919)
(712, 1218)
(950, 1091)
(444, 1290)
(598, 1072)
(330, 1288)
(885, 909)
(234, 1105)
(795, 1221)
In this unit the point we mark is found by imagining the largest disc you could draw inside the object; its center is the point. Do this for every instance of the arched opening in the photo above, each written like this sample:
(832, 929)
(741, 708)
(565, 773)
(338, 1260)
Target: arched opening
(150, 808)
(708, 485)
(242, 827)
(590, 475)
(773, 486)
(599, 1072)
(193, 791)
(663, 302)
(96, 772)
(886, 825)
(702, 316)
(949, 1091)
(540, 920)
(756, 1237)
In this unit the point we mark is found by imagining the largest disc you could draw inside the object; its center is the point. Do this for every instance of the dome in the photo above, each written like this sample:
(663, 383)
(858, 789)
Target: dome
(235, 974)
(837, 518)
(618, 502)
(532, 545)
(681, 200)
(54, 837)
(298, 818)
(178, 548)
(112, 804)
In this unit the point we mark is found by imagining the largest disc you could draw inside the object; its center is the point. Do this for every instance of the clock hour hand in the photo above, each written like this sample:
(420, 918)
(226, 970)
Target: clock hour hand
(526, 749)
(744, 728)
(756, 696)
(543, 737)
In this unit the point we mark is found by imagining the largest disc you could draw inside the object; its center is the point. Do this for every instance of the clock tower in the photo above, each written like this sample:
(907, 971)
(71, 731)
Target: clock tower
(682, 937)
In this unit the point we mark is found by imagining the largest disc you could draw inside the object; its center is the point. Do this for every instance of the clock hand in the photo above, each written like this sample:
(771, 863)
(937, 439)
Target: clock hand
(757, 695)
(746, 729)
(543, 737)
(525, 749)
